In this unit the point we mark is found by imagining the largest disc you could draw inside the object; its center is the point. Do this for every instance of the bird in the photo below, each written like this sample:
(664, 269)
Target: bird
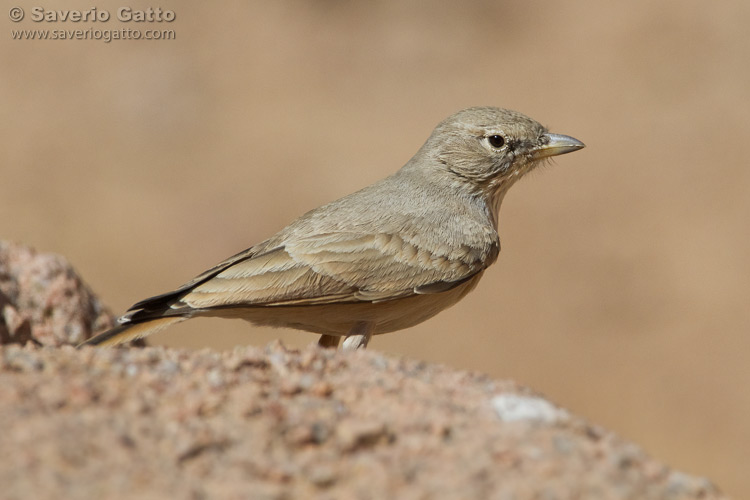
(382, 259)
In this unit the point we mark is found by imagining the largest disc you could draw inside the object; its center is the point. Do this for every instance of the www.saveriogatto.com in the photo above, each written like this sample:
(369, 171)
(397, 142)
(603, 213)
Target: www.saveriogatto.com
(152, 23)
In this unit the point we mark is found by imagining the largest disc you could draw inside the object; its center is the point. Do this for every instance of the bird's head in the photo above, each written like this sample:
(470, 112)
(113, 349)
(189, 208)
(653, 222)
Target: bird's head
(485, 150)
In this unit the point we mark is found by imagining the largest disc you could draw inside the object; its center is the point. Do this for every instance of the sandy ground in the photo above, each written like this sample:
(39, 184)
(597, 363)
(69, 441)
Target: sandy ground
(621, 290)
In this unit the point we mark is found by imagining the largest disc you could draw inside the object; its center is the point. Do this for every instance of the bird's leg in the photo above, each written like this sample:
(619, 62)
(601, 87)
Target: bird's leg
(358, 337)
(329, 341)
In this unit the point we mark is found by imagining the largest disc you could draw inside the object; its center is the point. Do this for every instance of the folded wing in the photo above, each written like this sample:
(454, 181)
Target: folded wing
(334, 267)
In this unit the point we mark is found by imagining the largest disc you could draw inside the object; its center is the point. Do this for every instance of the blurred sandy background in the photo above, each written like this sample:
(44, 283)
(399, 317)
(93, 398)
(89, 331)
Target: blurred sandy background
(623, 287)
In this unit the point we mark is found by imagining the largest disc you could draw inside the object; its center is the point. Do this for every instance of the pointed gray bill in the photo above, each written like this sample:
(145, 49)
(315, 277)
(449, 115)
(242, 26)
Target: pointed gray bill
(558, 145)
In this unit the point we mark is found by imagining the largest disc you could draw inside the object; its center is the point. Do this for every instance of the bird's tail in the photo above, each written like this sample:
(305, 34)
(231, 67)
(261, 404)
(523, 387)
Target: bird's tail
(131, 330)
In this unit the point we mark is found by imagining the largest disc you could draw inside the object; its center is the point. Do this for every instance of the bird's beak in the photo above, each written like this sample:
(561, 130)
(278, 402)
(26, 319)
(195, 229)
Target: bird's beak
(557, 145)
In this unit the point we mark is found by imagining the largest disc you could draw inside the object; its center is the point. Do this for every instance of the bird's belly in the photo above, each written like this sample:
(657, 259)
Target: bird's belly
(338, 319)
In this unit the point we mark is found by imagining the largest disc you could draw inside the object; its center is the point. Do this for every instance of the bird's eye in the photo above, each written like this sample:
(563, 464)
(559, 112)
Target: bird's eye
(496, 141)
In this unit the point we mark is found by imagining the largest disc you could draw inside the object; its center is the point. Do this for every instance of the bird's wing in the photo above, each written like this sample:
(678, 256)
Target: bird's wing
(158, 301)
(333, 267)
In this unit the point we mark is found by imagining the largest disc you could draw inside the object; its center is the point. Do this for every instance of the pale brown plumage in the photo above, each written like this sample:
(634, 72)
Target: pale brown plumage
(384, 258)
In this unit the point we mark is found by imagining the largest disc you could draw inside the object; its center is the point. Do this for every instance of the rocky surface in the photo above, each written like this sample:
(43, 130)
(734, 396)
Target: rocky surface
(43, 300)
(276, 423)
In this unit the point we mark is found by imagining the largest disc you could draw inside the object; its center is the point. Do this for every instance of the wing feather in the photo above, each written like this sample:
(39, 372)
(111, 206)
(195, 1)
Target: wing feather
(335, 267)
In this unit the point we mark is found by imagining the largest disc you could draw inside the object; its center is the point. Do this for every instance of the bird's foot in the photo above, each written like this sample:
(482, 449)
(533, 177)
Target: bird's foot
(358, 337)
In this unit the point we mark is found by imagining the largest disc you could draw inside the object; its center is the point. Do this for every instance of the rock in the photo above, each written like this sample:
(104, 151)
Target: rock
(278, 423)
(43, 300)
